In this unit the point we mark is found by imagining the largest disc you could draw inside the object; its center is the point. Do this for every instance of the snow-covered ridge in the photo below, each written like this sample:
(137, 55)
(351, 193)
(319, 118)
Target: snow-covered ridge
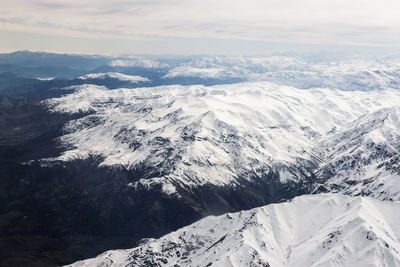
(356, 74)
(271, 63)
(45, 79)
(203, 73)
(196, 135)
(114, 75)
(311, 230)
(139, 62)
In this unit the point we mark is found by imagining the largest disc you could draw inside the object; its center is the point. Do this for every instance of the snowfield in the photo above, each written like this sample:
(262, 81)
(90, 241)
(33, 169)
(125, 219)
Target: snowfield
(311, 230)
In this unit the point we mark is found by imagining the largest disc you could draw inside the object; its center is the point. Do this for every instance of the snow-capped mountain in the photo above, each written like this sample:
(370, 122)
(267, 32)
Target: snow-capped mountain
(203, 73)
(228, 135)
(139, 62)
(114, 75)
(355, 74)
(311, 230)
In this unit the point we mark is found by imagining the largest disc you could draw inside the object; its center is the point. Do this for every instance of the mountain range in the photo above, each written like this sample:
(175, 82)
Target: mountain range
(120, 152)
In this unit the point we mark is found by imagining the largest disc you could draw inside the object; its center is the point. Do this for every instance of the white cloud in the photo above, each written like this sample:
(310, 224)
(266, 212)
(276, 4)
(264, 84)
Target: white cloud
(309, 21)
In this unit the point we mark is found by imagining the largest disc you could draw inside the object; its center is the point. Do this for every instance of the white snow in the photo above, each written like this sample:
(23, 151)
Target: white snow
(114, 75)
(139, 62)
(309, 231)
(45, 78)
(204, 73)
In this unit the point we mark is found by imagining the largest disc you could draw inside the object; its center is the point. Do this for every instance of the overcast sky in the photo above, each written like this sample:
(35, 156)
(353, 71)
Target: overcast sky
(196, 27)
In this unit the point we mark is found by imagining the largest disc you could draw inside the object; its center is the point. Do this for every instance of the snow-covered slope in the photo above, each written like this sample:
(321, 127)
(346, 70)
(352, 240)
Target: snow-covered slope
(363, 159)
(114, 75)
(221, 135)
(311, 230)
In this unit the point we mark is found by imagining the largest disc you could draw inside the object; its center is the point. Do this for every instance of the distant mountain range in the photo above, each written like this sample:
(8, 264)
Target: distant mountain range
(297, 71)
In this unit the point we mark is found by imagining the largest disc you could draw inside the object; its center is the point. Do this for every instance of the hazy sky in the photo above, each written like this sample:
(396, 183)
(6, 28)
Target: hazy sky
(196, 27)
